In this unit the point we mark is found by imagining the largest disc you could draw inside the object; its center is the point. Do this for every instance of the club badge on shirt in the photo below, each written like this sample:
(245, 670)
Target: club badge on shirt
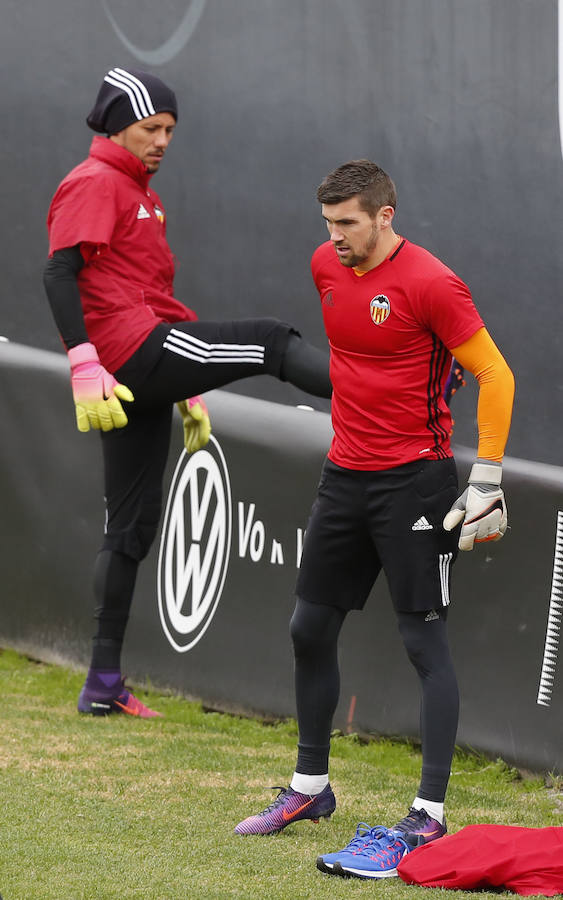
(379, 309)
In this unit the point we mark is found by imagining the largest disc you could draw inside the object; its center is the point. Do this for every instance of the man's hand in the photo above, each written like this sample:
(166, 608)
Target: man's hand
(96, 393)
(197, 426)
(481, 507)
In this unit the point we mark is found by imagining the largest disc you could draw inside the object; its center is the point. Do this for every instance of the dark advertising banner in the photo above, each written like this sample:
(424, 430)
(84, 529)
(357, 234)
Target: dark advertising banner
(215, 595)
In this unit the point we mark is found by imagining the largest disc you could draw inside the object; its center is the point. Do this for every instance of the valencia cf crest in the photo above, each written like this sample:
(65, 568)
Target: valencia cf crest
(379, 309)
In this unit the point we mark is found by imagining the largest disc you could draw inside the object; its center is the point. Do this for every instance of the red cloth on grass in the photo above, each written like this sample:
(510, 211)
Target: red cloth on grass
(524, 860)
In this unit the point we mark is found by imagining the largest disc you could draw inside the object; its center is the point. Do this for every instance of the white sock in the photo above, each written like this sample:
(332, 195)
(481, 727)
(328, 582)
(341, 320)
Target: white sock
(434, 809)
(308, 784)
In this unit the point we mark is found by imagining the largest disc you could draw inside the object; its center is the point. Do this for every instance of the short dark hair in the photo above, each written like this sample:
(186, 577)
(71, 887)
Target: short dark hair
(361, 178)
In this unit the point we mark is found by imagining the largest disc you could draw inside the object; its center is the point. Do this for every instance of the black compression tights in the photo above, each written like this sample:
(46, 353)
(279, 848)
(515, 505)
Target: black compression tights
(427, 647)
(114, 583)
(314, 630)
(306, 367)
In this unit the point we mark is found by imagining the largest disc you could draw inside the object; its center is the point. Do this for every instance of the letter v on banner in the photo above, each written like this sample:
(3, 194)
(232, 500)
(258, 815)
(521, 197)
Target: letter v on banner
(244, 528)
(252, 534)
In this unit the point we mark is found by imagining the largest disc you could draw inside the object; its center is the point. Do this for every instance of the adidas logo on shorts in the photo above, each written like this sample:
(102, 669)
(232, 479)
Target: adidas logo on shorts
(422, 524)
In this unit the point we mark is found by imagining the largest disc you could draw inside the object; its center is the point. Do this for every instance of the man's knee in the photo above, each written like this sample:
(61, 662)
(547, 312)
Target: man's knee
(136, 539)
(425, 640)
(314, 627)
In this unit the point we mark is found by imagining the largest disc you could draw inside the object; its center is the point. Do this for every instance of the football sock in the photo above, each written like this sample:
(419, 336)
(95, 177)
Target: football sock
(434, 809)
(308, 784)
(106, 655)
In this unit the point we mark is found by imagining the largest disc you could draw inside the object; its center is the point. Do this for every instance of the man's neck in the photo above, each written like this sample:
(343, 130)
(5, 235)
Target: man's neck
(385, 246)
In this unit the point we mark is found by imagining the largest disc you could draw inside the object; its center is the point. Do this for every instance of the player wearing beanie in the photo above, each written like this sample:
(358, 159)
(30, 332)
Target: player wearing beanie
(134, 349)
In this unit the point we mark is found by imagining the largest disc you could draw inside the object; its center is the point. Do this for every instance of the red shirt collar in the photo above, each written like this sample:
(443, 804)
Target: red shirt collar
(108, 151)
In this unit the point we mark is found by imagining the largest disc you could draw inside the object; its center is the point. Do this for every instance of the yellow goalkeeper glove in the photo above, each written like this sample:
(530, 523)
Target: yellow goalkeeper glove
(197, 426)
(96, 392)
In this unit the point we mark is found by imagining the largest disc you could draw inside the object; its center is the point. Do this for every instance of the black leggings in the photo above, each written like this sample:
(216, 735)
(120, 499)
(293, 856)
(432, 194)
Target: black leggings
(314, 630)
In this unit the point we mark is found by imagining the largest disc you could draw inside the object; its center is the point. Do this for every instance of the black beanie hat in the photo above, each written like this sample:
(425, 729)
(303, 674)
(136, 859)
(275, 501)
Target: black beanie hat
(129, 96)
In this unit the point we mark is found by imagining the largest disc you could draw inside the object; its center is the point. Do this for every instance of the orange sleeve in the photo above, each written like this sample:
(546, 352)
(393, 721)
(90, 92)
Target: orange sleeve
(481, 356)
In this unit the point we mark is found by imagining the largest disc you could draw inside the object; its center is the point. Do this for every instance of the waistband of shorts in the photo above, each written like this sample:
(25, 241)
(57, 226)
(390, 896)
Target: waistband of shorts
(416, 465)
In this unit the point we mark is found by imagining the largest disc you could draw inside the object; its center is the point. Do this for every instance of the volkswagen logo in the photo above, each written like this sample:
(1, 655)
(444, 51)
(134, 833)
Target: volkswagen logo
(194, 546)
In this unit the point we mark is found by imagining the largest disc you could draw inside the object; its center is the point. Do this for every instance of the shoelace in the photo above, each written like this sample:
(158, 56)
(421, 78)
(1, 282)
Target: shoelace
(412, 819)
(376, 843)
(389, 848)
(283, 791)
(365, 837)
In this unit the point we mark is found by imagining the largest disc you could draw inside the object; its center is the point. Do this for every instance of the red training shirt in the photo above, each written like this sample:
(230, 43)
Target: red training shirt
(126, 285)
(389, 331)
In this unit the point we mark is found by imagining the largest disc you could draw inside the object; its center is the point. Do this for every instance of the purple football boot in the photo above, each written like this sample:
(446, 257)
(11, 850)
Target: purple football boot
(104, 692)
(419, 828)
(289, 806)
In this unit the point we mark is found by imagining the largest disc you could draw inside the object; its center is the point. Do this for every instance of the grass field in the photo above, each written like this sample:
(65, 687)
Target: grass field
(121, 808)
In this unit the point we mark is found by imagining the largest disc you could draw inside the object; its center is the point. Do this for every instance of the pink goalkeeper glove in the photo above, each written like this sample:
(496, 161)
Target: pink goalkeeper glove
(197, 426)
(95, 391)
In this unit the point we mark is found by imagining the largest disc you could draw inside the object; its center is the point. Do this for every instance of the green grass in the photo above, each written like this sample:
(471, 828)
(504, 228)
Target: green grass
(121, 808)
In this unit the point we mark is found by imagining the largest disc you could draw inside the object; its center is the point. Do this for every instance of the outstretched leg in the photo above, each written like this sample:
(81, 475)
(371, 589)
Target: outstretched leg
(190, 358)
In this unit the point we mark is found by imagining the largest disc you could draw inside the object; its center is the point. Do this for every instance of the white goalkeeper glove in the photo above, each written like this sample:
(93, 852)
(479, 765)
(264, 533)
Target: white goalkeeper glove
(481, 507)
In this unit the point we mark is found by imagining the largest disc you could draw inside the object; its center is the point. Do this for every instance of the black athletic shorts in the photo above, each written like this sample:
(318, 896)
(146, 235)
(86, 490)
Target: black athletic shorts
(362, 522)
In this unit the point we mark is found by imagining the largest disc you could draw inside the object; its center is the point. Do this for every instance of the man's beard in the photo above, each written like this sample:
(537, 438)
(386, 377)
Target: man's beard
(355, 259)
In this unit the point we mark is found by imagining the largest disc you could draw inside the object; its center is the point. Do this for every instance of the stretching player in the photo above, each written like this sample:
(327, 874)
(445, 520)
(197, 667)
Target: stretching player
(109, 281)
(394, 316)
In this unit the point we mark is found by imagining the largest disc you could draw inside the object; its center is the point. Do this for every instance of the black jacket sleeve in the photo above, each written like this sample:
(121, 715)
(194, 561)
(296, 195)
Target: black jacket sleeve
(60, 281)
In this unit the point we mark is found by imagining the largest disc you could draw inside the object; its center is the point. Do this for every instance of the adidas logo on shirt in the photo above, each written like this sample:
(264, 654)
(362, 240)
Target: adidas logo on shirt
(431, 616)
(142, 213)
(422, 524)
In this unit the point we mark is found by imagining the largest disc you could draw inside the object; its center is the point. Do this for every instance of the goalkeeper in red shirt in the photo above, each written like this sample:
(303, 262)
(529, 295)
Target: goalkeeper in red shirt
(395, 316)
(134, 349)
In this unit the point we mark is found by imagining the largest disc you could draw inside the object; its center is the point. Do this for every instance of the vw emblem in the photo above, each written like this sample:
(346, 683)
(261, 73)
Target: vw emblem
(194, 546)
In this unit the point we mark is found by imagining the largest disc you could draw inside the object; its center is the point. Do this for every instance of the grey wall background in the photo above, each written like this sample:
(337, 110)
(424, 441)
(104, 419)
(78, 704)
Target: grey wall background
(457, 99)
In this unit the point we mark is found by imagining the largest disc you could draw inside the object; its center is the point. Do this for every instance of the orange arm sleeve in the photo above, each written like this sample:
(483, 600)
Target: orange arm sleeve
(480, 356)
